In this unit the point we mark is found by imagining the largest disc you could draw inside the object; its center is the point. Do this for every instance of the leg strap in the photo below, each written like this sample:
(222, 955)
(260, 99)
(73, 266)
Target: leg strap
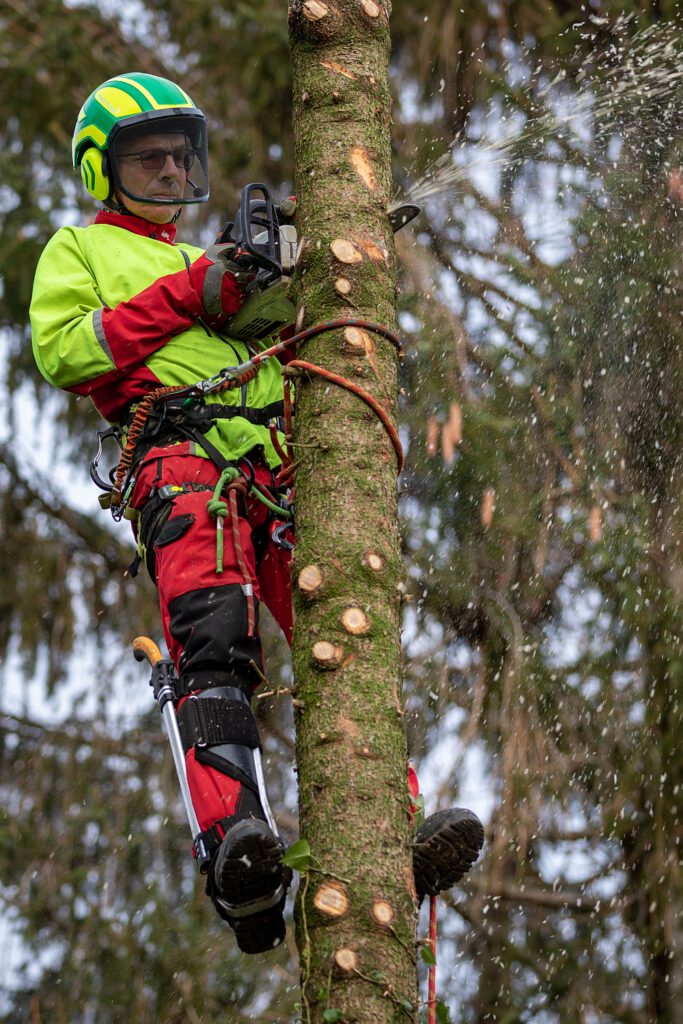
(216, 720)
(213, 837)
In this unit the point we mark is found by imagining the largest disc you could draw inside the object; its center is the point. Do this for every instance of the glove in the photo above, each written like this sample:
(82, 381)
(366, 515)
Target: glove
(217, 284)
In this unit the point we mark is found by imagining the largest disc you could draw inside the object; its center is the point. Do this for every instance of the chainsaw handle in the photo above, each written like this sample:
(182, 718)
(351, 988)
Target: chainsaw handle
(143, 648)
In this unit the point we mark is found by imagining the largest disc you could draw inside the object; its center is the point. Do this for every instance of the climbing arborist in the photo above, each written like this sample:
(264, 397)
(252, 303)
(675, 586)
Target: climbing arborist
(119, 310)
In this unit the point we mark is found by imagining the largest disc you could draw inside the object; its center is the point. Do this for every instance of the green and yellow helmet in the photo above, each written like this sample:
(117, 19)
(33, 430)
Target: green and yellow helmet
(125, 108)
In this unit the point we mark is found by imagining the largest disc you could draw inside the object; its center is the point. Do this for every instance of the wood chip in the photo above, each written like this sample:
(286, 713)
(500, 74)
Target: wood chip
(595, 524)
(455, 422)
(447, 446)
(332, 66)
(433, 430)
(488, 507)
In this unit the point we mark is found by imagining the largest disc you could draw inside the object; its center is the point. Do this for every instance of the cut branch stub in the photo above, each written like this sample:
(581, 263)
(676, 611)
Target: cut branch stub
(314, 10)
(382, 913)
(345, 251)
(345, 959)
(342, 286)
(310, 581)
(372, 249)
(355, 621)
(355, 341)
(370, 8)
(373, 561)
(326, 655)
(331, 899)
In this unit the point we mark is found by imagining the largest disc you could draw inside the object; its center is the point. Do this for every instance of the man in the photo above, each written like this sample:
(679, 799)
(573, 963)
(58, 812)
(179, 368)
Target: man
(120, 309)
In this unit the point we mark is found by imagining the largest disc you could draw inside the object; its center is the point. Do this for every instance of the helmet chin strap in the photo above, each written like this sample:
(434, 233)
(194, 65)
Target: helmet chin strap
(117, 207)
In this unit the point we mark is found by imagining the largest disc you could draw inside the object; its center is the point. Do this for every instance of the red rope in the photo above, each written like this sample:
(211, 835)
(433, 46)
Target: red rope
(431, 993)
(234, 488)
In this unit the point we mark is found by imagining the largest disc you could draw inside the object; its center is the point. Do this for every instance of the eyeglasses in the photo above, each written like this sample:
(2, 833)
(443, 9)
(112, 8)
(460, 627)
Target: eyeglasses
(155, 159)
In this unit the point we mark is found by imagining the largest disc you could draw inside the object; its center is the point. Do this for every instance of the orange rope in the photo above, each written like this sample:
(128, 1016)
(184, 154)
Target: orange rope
(136, 428)
(342, 382)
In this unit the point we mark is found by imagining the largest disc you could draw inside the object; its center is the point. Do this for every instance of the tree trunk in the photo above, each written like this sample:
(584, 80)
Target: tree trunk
(356, 910)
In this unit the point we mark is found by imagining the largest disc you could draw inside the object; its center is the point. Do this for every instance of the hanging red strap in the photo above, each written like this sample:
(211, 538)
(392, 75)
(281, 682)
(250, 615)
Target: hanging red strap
(431, 992)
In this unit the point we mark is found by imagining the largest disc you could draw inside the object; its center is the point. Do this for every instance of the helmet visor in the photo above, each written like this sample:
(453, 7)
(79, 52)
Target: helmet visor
(161, 160)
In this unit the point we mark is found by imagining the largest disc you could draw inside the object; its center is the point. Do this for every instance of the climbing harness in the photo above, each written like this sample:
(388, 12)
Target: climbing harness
(177, 405)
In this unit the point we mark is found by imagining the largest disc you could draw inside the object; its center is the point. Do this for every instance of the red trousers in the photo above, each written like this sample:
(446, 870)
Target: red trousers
(204, 611)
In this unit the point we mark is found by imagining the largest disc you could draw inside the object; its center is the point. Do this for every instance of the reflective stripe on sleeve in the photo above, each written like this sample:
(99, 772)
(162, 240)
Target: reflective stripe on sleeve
(98, 327)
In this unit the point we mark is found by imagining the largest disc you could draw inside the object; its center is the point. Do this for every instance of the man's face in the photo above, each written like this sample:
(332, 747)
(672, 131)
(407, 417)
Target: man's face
(167, 181)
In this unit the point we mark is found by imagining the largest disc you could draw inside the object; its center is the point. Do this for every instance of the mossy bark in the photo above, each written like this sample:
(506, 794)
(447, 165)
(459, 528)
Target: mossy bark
(351, 745)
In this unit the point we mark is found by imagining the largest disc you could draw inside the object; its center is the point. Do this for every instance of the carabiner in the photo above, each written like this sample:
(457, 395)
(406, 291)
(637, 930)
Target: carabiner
(249, 479)
(102, 435)
(279, 540)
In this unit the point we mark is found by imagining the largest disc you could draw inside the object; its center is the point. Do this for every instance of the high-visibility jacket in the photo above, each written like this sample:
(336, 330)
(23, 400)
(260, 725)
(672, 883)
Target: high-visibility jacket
(84, 271)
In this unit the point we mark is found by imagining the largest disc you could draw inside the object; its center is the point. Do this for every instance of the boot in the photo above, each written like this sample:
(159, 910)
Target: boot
(246, 880)
(248, 884)
(445, 847)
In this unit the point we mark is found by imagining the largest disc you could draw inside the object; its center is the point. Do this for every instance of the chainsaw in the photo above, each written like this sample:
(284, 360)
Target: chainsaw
(264, 251)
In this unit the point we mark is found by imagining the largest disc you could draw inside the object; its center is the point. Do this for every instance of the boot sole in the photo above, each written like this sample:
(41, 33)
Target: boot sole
(249, 870)
(445, 848)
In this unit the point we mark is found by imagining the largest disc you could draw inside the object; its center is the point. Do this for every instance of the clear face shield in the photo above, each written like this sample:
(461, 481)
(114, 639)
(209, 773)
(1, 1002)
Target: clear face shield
(161, 160)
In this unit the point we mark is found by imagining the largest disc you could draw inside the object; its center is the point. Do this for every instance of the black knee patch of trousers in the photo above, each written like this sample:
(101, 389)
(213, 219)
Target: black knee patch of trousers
(211, 625)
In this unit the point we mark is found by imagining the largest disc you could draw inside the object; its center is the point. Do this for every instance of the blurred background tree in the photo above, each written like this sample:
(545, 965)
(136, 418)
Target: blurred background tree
(541, 510)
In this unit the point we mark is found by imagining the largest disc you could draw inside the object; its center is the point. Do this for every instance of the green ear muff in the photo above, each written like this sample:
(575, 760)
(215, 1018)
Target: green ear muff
(94, 172)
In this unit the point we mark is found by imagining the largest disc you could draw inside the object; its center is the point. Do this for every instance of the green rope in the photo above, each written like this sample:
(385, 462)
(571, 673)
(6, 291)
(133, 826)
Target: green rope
(219, 508)
(283, 513)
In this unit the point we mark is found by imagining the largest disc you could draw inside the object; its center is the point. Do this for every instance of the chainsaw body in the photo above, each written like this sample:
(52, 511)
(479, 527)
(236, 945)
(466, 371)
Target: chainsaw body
(264, 253)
